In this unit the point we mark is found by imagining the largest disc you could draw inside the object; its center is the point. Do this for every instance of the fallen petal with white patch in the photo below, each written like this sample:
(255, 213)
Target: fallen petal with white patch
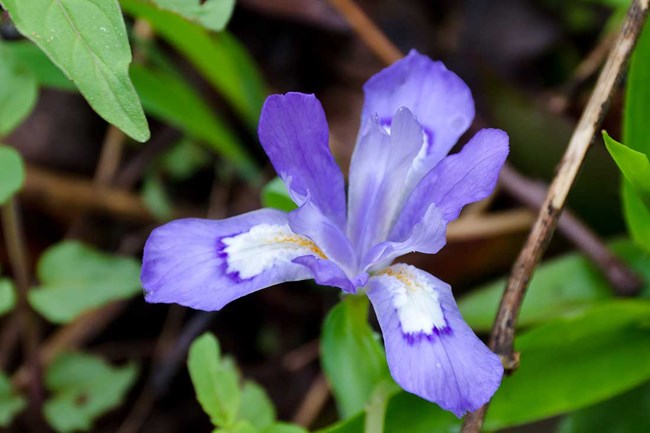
(431, 351)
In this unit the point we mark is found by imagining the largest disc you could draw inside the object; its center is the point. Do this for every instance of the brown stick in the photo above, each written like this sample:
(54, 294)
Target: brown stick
(502, 337)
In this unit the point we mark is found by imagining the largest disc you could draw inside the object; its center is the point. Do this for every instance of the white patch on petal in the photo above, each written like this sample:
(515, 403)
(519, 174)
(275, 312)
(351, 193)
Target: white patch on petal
(414, 299)
(263, 246)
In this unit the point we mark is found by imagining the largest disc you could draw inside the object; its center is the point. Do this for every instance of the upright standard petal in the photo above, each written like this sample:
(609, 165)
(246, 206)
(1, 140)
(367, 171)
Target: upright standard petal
(458, 180)
(293, 131)
(378, 170)
(439, 99)
(205, 264)
(431, 351)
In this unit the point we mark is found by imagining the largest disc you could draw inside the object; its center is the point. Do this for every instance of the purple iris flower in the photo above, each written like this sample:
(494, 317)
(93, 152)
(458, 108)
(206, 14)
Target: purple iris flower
(403, 190)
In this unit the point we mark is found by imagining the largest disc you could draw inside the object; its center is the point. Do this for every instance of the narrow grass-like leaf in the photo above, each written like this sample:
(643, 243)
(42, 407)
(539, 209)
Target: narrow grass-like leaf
(12, 173)
(75, 278)
(634, 165)
(88, 41)
(212, 14)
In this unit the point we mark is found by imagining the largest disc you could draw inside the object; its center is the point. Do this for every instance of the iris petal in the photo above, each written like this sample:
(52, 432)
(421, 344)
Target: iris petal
(431, 351)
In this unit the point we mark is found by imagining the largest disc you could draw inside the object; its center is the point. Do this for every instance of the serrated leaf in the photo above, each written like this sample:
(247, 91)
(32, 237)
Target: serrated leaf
(256, 407)
(212, 14)
(563, 285)
(76, 278)
(87, 40)
(275, 195)
(18, 91)
(220, 58)
(7, 295)
(84, 387)
(216, 384)
(352, 357)
(11, 404)
(634, 165)
(12, 173)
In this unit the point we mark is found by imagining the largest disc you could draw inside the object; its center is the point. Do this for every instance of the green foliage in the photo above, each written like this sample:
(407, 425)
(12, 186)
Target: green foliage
(347, 340)
(88, 42)
(216, 385)
(18, 91)
(183, 160)
(560, 286)
(7, 295)
(627, 413)
(220, 58)
(84, 387)
(256, 407)
(39, 65)
(636, 135)
(275, 195)
(75, 278)
(12, 173)
(213, 14)
(634, 165)
(155, 197)
(10, 403)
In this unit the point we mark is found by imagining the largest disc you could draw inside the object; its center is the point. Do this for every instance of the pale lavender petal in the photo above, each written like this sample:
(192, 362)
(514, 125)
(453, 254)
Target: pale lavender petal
(293, 131)
(438, 98)
(205, 264)
(458, 180)
(328, 273)
(378, 171)
(431, 351)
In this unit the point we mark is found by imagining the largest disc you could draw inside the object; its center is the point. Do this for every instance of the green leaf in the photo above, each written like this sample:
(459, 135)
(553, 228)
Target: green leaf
(40, 66)
(155, 197)
(213, 14)
(637, 216)
(10, 403)
(352, 357)
(566, 284)
(634, 165)
(84, 387)
(7, 296)
(627, 413)
(88, 42)
(18, 92)
(184, 159)
(216, 384)
(75, 278)
(220, 58)
(256, 407)
(600, 347)
(275, 195)
(285, 428)
(12, 173)
(636, 128)
(168, 98)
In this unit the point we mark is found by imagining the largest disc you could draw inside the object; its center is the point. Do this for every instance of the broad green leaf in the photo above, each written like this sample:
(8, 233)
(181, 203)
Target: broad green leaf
(18, 91)
(559, 286)
(41, 67)
(155, 197)
(238, 427)
(184, 159)
(75, 278)
(12, 173)
(212, 14)
(275, 195)
(634, 165)
(220, 58)
(7, 295)
(637, 216)
(84, 387)
(285, 428)
(10, 403)
(627, 413)
(87, 40)
(352, 357)
(256, 407)
(169, 98)
(216, 384)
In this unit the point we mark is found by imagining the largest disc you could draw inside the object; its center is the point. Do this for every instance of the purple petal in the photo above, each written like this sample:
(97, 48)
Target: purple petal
(458, 180)
(293, 131)
(378, 172)
(439, 99)
(328, 273)
(431, 351)
(205, 264)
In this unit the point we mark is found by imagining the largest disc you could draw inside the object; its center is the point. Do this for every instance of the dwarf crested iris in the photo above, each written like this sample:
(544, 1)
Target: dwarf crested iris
(403, 190)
